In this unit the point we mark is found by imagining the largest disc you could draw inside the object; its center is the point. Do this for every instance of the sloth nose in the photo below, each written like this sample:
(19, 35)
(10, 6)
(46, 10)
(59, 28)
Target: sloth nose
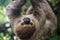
(26, 20)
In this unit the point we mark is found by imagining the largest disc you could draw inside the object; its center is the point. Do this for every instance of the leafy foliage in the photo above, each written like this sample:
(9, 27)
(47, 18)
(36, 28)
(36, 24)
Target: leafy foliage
(4, 2)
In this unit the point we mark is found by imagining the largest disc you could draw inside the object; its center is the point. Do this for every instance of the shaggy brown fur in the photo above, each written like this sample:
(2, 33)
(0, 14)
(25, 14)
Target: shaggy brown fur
(42, 20)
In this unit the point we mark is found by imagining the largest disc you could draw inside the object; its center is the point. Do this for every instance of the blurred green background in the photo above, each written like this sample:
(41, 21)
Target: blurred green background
(5, 27)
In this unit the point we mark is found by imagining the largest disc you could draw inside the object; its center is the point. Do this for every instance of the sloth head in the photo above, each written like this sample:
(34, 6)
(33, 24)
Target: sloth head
(25, 26)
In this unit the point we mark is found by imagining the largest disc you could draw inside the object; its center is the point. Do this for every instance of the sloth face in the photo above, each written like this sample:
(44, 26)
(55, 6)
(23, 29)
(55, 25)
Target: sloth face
(25, 27)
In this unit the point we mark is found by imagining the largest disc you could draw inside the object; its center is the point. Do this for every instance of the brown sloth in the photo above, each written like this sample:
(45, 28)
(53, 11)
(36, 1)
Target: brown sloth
(38, 23)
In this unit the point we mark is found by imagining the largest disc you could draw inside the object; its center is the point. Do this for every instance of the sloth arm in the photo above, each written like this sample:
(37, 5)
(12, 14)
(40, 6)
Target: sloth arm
(13, 9)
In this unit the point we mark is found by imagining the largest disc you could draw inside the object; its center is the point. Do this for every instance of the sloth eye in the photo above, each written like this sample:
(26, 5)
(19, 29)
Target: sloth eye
(31, 23)
(22, 23)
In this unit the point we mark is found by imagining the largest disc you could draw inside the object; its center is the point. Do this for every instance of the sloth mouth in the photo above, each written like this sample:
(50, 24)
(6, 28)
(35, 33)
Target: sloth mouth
(26, 33)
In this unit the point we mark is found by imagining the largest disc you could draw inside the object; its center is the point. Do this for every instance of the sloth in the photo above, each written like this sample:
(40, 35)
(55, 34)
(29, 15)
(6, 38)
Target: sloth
(39, 22)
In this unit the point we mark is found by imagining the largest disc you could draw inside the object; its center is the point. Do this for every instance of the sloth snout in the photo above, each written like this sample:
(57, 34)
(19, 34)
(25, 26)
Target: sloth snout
(26, 20)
